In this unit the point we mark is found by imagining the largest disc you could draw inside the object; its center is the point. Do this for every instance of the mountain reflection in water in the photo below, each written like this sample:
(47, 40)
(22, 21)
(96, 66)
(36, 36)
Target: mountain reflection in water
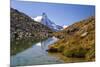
(35, 55)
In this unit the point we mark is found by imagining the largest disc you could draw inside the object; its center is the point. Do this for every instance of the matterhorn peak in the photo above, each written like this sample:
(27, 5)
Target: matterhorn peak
(46, 21)
(44, 14)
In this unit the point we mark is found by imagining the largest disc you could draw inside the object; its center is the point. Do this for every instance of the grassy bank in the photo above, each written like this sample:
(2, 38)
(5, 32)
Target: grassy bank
(77, 40)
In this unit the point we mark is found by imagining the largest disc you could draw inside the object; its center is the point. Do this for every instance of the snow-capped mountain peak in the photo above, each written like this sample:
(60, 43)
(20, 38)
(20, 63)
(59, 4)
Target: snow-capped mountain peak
(46, 21)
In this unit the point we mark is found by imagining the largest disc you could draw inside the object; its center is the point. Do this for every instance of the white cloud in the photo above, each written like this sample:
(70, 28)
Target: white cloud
(38, 18)
(65, 26)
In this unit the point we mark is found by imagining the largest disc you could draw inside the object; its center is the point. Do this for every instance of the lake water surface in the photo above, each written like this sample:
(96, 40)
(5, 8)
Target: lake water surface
(35, 55)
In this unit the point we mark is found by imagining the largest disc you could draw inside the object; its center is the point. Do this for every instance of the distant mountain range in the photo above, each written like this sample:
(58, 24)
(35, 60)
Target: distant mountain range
(46, 21)
(25, 31)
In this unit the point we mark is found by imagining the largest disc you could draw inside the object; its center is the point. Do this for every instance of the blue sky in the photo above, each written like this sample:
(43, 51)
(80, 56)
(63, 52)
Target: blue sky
(61, 14)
